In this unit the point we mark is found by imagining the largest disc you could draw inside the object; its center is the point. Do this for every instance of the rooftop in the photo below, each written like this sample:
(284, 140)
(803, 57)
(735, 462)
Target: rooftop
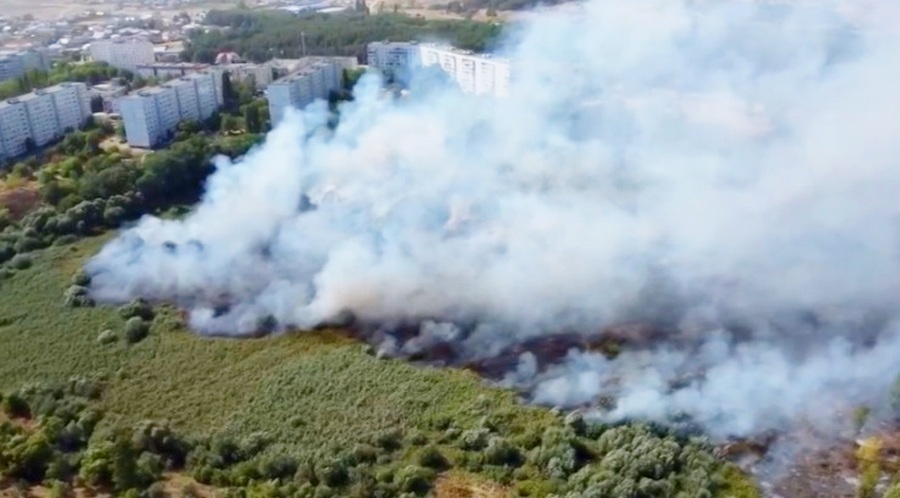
(174, 65)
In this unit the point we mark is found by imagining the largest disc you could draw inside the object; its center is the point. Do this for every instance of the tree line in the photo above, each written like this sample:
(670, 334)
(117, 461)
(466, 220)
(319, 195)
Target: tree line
(91, 73)
(58, 435)
(263, 35)
(85, 189)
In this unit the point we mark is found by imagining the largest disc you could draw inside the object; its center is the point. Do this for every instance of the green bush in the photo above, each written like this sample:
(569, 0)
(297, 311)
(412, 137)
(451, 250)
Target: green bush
(21, 262)
(76, 296)
(81, 279)
(6, 252)
(334, 473)
(501, 452)
(280, 467)
(107, 337)
(137, 308)
(389, 440)
(474, 440)
(15, 405)
(136, 329)
(431, 457)
(414, 479)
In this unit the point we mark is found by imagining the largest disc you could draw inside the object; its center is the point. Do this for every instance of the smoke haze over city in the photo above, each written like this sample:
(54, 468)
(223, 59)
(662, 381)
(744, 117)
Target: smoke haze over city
(725, 171)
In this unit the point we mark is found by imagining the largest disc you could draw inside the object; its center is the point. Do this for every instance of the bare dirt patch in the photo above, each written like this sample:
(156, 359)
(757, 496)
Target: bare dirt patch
(460, 485)
(19, 200)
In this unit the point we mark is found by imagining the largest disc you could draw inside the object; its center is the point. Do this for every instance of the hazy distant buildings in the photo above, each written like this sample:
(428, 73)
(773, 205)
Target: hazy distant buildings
(14, 64)
(166, 70)
(151, 115)
(477, 74)
(123, 53)
(314, 78)
(39, 117)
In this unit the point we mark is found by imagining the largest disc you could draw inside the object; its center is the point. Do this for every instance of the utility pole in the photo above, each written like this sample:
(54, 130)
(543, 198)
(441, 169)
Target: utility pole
(303, 43)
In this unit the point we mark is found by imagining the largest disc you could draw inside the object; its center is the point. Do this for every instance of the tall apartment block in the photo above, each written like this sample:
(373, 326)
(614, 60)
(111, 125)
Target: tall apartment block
(151, 115)
(123, 53)
(42, 116)
(479, 74)
(14, 64)
(313, 79)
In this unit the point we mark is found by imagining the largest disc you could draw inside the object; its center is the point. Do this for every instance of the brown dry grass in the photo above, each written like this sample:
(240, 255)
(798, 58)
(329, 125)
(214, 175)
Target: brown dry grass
(19, 199)
(462, 485)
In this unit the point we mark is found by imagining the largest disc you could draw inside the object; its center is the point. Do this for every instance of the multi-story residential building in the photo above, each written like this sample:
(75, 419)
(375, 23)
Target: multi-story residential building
(123, 53)
(14, 128)
(42, 116)
(259, 75)
(395, 58)
(72, 102)
(314, 79)
(166, 70)
(477, 74)
(109, 93)
(14, 64)
(150, 115)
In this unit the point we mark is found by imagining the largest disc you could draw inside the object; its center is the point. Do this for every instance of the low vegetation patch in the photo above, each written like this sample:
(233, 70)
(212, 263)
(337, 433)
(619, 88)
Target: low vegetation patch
(305, 414)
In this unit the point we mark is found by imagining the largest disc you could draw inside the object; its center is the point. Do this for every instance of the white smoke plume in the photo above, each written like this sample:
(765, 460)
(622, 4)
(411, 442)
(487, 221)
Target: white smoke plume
(725, 170)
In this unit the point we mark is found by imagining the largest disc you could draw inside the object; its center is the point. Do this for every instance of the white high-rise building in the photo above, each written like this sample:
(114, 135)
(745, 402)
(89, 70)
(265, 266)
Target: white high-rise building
(394, 57)
(73, 104)
(14, 64)
(42, 116)
(479, 74)
(123, 53)
(150, 115)
(14, 128)
(314, 79)
(260, 75)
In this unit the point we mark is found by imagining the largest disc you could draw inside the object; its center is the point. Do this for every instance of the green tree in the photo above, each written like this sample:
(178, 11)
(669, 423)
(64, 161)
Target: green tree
(230, 123)
(252, 118)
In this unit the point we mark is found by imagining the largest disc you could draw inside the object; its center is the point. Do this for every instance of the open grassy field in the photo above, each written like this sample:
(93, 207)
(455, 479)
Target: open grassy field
(313, 394)
(311, 390)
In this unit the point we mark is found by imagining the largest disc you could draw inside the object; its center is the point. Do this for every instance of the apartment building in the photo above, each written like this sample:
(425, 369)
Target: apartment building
(167, 70)
(479, 74)
(151, 115)
(313, 79)
(42, 116)
(14, 128)
(123, 53)
(394, 58)
(14, 64)
(259, 75)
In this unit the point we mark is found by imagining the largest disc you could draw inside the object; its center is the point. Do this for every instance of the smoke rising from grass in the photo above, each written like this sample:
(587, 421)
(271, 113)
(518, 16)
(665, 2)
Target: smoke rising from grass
(727, 171)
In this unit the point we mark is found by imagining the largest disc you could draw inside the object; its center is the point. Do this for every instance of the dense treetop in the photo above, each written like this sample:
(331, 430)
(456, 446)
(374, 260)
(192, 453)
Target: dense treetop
(262, 35)
(87, 72)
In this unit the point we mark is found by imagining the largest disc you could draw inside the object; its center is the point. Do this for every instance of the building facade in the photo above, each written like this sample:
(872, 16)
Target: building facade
(395, 58)
(152, 114)
(313, 79)
(123, 53)
(259, 75)
(478, 74)
(14, 64)
(42, 116)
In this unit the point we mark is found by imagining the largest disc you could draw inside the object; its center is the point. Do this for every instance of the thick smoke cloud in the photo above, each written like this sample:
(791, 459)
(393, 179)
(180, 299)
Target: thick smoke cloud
(725, 170)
